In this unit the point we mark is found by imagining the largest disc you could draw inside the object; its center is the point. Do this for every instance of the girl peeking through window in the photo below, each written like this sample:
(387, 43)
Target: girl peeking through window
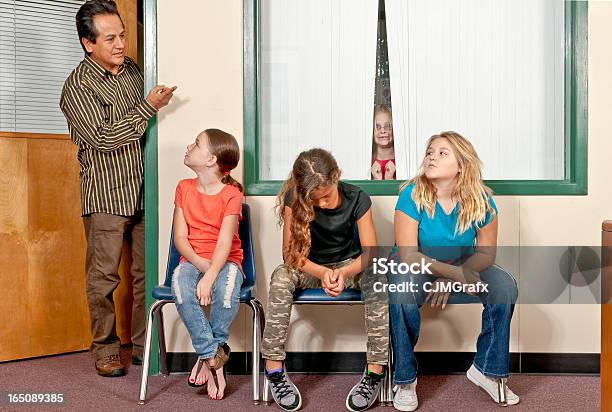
(383, 150)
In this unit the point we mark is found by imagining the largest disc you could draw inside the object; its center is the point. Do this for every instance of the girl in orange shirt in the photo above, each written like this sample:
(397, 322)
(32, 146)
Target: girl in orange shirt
(206, 214)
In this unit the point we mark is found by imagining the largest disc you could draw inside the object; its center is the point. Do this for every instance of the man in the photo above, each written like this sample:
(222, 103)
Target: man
(103, 102)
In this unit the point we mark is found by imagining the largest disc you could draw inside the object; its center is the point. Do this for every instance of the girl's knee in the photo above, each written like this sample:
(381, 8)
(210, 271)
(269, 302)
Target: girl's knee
(184, 281)
(282, 277)
(502, 287)
(227, 285)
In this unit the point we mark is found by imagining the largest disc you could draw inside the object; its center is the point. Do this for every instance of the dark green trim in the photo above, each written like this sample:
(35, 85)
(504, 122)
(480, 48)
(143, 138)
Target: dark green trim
(251, 103)
(576, 117)
(151, 197)
(576, 114)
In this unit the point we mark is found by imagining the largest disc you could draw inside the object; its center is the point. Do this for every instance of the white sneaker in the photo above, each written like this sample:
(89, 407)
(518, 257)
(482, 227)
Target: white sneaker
(490, 386)
(405, 398)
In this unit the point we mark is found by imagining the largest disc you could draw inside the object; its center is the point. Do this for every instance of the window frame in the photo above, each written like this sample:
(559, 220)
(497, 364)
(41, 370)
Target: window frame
(576, 116)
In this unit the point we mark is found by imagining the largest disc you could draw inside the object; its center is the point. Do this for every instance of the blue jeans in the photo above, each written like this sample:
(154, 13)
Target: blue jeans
(207, 336)
(492, 348)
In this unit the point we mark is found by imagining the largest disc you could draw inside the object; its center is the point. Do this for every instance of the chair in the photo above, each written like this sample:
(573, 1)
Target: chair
(316, 296)
(163, 295)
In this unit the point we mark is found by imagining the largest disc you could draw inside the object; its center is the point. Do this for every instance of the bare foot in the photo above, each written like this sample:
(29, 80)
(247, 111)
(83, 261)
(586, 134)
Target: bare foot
(221, 383)
(211, 388)
(198, 378)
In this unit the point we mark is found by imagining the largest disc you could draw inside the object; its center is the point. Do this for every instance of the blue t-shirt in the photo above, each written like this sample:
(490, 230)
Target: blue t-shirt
(437, 236)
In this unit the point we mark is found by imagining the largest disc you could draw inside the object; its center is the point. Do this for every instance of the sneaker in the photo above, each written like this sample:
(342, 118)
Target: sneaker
(285, 393)
(405, 398)
(365, 393)
(490, 386)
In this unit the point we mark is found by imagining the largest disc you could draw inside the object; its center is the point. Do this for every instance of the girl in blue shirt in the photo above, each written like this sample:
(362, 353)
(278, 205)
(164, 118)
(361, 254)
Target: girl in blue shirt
(446, 216)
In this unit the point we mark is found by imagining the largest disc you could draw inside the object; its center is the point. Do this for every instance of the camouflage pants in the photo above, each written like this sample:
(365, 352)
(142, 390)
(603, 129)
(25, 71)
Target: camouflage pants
(286, 281)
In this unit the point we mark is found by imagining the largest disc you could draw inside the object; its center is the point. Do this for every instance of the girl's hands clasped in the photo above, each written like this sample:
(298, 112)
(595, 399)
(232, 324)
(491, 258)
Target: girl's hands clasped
(204, 289)
(327, 281)
(334, 281)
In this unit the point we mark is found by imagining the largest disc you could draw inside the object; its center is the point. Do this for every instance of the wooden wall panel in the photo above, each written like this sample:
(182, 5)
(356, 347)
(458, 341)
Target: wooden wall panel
(14, 305)
(43, 252)
(129, 14)
(59, 317)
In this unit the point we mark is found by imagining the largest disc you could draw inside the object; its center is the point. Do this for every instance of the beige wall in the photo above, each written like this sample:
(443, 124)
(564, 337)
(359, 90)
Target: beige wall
(200, 50)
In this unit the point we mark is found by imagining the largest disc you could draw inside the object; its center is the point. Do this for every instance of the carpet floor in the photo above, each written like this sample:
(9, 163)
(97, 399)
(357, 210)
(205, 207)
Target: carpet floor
(74, 376)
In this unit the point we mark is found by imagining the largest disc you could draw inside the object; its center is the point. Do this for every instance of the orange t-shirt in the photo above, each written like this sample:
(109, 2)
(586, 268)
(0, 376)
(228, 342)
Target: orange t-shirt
(204, 215)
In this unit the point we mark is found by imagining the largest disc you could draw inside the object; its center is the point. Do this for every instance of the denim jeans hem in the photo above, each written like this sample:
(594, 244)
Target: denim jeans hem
(280, 358)
(404, 382)
(207, 356)
(377, 362)
(490, 374)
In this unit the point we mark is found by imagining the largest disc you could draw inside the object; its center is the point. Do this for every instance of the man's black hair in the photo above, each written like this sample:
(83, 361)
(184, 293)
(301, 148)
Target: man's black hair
(85, 18)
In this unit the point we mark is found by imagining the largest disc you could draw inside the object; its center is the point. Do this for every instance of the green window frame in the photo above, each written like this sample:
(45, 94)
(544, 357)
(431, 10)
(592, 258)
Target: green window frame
(576, 120)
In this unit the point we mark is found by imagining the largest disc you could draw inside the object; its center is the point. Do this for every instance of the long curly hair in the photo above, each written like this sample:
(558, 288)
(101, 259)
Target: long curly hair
(470, 191)
(313, 169)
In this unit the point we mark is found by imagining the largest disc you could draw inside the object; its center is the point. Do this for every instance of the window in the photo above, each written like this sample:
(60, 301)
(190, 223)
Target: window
(39, 47)
(509, 75)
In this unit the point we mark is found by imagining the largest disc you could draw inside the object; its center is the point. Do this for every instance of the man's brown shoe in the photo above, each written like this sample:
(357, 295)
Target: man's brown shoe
(137, 360)
(110, 366)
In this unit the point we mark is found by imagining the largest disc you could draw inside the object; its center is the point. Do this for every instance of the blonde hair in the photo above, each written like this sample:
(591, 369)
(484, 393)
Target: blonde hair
(470, 191)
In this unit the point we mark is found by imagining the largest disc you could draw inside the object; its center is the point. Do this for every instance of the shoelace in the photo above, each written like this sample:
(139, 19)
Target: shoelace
(366, 386)
(281, 387)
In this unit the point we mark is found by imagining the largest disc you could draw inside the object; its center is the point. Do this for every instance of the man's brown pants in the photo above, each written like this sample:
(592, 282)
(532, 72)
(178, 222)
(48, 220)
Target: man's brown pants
(105, 234)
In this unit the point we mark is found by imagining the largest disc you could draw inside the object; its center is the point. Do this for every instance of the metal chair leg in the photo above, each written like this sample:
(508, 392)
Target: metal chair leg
(385, 396)
(501, 391)
(265, 399)
(257, 314)
(147, 350)
(262, 324)
(382, 395)
(161, 337)
(262, 318)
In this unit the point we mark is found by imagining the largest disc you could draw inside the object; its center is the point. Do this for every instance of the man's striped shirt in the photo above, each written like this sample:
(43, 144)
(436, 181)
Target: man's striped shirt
(107, 117)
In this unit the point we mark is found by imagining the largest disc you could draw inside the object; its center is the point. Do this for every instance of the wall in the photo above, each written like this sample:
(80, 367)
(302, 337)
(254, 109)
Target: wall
(207, 67)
